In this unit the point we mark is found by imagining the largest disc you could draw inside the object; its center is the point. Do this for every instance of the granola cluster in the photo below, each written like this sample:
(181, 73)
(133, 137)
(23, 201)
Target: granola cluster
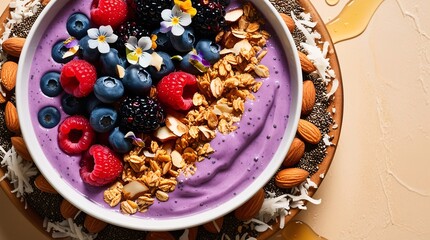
(151, 169)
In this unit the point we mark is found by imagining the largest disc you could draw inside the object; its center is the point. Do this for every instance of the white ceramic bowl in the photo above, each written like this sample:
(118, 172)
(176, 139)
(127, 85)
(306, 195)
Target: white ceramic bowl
(113, 216)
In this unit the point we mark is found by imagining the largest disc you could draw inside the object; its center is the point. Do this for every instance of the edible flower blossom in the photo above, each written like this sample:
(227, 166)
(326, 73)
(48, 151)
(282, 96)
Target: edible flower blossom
(72, 44)
(136, 51)
(174, 20)
(186, 6)
(136, 141)
(100, 38)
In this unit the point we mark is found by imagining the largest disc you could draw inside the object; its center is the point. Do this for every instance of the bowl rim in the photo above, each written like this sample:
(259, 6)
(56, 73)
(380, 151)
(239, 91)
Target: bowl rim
(115, 217)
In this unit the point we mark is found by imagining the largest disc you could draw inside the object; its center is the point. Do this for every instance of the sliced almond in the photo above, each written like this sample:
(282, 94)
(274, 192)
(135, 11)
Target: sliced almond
(164, 134)
(134, 189)
(176, 126)
(233, 15)
(177, 159)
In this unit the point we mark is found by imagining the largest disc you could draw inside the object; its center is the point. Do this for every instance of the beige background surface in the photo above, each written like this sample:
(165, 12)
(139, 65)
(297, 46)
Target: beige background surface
(378, 185)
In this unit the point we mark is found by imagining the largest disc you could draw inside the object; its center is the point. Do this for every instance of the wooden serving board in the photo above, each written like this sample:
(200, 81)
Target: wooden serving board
(37, 220)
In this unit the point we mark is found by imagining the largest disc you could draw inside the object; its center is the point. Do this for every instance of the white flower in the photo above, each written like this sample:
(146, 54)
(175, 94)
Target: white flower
(136, 51)
(174, 20)
(100, 38)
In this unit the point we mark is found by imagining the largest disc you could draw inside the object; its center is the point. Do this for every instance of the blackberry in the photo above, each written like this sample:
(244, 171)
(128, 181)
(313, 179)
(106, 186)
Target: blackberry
(141, 114)
(128, 29)
(210, 16)
(149, 11)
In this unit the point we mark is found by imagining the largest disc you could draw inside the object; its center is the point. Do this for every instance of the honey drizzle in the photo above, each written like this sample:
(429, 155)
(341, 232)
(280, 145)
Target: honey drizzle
(352, 20)
(297, 230)
(332, 2)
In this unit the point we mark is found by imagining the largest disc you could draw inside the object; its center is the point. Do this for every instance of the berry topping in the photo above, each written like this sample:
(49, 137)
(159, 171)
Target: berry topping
(149, 11)
(176, 90)
(78, 77)
(50, 84)
(109, 12)
(103, 119)
(128, 29)
(108, 89)
(77, 25)
(75, 135)
(141, 114)
(209, 19)
(49, 117)
(100, 166)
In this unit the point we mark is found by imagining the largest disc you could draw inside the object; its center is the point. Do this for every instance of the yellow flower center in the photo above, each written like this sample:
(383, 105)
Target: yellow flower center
(138, 51)
(175, 20)
(101, 38)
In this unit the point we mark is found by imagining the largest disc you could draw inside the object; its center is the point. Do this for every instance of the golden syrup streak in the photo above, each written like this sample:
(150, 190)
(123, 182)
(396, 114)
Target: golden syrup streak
(297, 230)
(332, 2)
(353, 19)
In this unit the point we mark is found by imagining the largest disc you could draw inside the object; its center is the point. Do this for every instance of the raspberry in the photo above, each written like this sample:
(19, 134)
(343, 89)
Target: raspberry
(75, 135)
(176, 90)
(109, 12)
(100, 166)
(78, 77)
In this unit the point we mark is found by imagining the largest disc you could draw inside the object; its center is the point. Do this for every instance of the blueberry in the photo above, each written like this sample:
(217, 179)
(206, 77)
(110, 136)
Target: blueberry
(77, 25)
(103, 119)
(118, 142)
(137, 80)
(71, 104)
(109, 63)
(49, 117)
(58, 51)
(88, 54)
(91, 102)
(166, 67)
(209, 50)
(186, 66)
(163, 41)
(108, 89)
(185, 42)
(50, 84)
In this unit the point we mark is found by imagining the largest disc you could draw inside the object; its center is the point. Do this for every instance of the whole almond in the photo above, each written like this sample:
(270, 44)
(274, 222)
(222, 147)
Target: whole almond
(21, 148)
(289, 21)
(3, 98)
(13, 46)
(308, 132)
(307, 65)
(214, 226)
(190, 233)
(290, 177)
(43, 185)
(309, 96)
(251, 207)
(67, 210)
(159, 236)
(8, 75)
(295, 153)
(11, 118)
(94, 225)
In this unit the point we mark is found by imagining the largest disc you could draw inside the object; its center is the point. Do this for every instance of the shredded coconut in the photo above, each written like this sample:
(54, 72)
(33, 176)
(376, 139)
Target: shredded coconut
(19, 172)
(67, 228)
(315, 54)
(327, 140)
(279, 207)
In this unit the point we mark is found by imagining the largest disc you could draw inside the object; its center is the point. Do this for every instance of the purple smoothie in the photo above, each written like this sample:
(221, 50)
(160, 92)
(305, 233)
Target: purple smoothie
(239, 157)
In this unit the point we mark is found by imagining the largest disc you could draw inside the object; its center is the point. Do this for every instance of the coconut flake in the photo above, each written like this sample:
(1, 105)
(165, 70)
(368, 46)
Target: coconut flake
(67, 228)
(279, 207)
(19, 172)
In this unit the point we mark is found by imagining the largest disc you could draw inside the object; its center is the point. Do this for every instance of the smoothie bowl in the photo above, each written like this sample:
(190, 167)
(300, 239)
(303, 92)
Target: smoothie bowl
(158, 117)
